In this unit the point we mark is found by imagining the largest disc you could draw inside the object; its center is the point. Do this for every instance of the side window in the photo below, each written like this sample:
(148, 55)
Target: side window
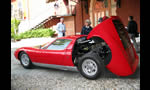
(59, 44)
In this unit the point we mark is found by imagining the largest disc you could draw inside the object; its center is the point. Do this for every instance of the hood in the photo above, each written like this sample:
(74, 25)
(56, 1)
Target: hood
(124, 58)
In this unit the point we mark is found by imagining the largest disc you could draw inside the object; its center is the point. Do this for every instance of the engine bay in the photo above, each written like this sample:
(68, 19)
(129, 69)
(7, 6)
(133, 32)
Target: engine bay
(83, 46)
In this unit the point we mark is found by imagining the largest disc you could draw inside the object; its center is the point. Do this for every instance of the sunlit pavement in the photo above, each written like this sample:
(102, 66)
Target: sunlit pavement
(31, 42)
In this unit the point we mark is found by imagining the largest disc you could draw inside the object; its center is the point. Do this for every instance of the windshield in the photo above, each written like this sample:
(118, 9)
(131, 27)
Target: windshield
(122, 33)
(45, 45)
(59, 44)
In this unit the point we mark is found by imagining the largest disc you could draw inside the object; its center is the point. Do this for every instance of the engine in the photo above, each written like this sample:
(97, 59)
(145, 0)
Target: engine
(83, 46)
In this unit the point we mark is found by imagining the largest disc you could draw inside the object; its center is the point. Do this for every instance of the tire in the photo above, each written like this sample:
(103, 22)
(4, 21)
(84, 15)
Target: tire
(103, 51)
(93, 69)
(25, 60)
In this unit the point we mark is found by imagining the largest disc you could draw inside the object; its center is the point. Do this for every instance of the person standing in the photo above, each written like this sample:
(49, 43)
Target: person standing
(61, 28)
(86, 28)
(132, 30)
(100, 20)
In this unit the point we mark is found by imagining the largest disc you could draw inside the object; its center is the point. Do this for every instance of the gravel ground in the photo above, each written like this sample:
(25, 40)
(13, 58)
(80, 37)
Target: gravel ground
(52, 79)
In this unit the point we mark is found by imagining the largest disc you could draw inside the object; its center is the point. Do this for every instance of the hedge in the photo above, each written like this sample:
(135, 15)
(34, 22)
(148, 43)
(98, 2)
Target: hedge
(35, 33)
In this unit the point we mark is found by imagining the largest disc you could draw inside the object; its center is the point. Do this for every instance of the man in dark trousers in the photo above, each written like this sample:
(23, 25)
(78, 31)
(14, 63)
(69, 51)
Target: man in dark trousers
(86, 28)
(132, 30)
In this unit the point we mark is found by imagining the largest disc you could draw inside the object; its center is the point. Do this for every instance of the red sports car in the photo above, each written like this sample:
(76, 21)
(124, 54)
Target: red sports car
(107, 45)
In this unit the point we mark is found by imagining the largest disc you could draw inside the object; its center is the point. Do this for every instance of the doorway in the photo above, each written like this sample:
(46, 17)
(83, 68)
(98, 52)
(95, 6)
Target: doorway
(101, 8)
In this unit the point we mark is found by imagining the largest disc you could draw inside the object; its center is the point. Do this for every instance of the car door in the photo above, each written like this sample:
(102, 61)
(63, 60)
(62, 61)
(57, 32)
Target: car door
(53, 53)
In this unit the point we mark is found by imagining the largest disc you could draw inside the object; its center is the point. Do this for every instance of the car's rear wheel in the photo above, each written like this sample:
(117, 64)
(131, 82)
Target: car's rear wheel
(25, 60)
(90, 66)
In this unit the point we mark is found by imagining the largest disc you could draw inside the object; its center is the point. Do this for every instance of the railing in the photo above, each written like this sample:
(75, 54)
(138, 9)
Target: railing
(45, 16)
(69, 12)
(33, 22)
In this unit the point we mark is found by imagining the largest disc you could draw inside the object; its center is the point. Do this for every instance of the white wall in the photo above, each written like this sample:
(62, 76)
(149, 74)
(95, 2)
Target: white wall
(36, 7)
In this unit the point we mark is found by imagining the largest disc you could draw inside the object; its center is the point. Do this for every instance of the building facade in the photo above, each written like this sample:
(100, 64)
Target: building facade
(94, 9)
(100, 8)
(75, 12)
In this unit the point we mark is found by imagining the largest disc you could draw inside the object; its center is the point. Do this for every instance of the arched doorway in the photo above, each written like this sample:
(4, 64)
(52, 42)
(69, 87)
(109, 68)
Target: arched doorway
(101, 8)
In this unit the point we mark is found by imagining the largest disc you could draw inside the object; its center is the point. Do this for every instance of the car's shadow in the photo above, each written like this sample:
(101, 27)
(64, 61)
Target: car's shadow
(108, 74)
(105, 74)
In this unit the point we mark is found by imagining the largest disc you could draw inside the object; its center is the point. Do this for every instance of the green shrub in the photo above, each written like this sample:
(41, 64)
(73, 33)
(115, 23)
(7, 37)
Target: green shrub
(17, 37)
(14, 25)
(12, 35)
(35, 33)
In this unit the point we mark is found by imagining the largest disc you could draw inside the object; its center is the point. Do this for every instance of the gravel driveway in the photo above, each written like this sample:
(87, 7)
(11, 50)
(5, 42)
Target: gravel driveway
(53, 79)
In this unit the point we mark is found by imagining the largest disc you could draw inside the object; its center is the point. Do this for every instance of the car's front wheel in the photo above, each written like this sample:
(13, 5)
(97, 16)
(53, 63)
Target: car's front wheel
(25, 60)
(90, 66)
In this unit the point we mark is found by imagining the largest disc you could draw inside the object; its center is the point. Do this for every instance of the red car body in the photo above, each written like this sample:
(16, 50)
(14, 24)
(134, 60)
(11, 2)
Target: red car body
(124, 61)
(57, 57)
